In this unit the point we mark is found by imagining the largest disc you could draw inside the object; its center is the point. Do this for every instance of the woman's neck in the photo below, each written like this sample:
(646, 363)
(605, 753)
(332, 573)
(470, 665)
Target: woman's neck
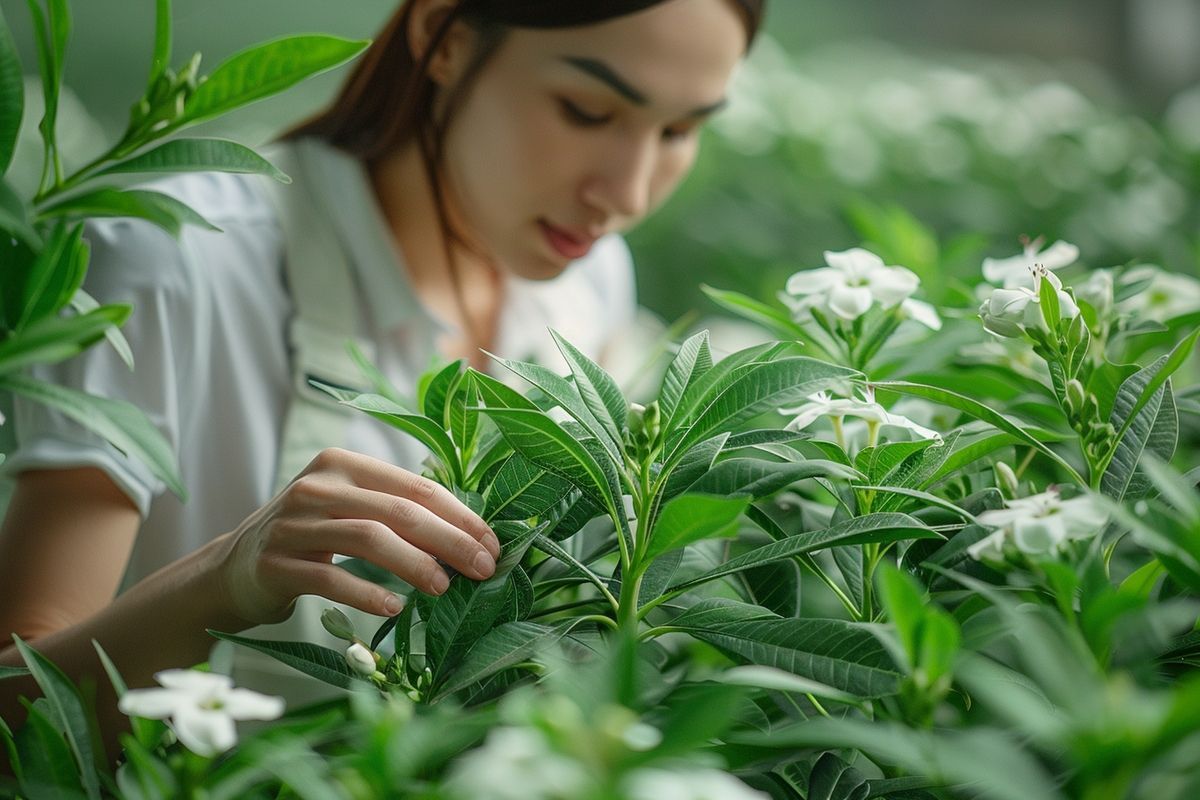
(402, 189)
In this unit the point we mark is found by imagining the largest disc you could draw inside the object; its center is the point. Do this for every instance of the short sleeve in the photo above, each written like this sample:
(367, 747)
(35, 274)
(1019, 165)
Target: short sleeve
(131, 262)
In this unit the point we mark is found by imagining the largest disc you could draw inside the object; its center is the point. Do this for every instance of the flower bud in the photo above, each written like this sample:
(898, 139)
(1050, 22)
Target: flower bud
(338, 624)
(1076, 396)
(361, 660)
(1006, 479)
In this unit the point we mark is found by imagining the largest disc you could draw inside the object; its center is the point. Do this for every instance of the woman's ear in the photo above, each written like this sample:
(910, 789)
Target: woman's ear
(434, 28)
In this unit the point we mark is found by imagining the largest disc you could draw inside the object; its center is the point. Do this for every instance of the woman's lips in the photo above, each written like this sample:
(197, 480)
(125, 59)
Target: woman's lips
(566, 243)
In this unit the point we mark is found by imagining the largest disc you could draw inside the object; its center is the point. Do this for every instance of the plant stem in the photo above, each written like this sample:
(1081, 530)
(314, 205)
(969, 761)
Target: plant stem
(600, 618)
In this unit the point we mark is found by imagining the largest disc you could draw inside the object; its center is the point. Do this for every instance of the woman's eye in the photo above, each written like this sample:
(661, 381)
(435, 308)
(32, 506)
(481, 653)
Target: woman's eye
(678, 133)
(578, 116)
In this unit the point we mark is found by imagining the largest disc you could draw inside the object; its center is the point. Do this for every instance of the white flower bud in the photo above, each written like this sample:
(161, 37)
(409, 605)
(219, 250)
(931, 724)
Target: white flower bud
(360, 659)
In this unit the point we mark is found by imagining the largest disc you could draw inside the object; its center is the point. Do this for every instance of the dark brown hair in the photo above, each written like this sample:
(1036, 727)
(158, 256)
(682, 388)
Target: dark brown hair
(387, 102)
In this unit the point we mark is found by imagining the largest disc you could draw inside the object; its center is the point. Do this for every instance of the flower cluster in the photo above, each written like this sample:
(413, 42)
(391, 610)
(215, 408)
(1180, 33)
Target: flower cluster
(1015, 309)
(1039, 525)
(852, 282)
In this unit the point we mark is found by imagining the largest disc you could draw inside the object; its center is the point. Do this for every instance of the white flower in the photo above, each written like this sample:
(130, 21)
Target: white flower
(1097, 290)
(1011, 312)
(360, 659)
(1015, 271)
(201, 707)
(517, 764)
(1166, 295)
(1041, 524)
(854, 280)
(922, 312)
(694, 784)
(822, 404)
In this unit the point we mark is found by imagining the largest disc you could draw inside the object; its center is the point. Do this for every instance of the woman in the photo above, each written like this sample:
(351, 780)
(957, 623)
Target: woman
(484, 152)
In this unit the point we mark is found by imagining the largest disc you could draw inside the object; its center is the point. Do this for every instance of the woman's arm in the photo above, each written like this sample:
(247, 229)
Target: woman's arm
(64, 545)
(68, 535)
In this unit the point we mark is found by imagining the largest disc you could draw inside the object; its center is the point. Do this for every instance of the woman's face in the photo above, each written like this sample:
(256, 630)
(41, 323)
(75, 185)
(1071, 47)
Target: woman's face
(567, 135)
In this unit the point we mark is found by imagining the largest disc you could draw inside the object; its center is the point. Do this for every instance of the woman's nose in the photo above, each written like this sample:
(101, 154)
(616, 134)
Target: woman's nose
(619, 183)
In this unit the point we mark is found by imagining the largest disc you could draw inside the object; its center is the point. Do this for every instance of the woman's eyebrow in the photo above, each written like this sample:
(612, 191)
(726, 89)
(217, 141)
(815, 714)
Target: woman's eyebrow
(607, 75)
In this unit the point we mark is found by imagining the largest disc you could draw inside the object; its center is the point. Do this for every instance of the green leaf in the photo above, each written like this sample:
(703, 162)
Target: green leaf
(84, 303)
(67, 712)
(755, 478)
(552, 548)
(14, 217)
(989, 761)
(840, 654)
(468, 609)
(264, 70)
(421, 428)
(121, 423)
(979, 411)
(313, 660)
(56, 274)
(691, 518)
(433, 391)
(54, 338)
(544, 442)
(156, 208)
(197, 155)
(12, 95)
(832, 778)
(568, 398)
(522, 490)
(689, 364)
(971, 454)
(869, 529)
(905, 605)
(775, 320)
(47, 767)
(599, 391)
(777, 680)
(1155, 375)
(501, 648)
(1048, 301)
(750, 390)
(1155, 430)
(694, 464)
(12, 672)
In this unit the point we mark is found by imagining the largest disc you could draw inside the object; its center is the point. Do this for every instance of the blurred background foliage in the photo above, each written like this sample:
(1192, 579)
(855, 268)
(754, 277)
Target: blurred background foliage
(852, 120)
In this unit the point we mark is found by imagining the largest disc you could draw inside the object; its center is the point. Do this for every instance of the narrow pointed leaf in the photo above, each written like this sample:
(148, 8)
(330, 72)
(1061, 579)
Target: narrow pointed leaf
(979, 411)
(84, 303)
(313, 660)
(693, 466)
(691, 518)
(265, 70)
(47, 767)
(197, 155)
(689, 364)
(53, 338)
(597, 388)
(506, 646)
(522, 490)
(12, 95)
(420, 427)
(844, 655)
(66, 712)
(122, 424)
(755, 478)
(869, 529)
(156, 208)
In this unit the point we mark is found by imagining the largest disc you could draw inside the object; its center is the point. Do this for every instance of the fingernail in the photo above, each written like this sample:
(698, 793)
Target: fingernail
(484, 565)
(393, 605)
(441, 582)
(492, 544)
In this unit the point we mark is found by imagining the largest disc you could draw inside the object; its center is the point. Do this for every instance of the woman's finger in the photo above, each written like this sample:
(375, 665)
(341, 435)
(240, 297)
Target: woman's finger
(373, 541)
(380, 476)
(415, 523)
(336, 584)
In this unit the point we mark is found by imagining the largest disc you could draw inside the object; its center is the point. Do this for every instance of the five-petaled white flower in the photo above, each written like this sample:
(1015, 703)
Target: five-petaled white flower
(1039, 525)
(1015, 271)
(201, 708)
(822, 404)
(853, 281)
(1011, 312)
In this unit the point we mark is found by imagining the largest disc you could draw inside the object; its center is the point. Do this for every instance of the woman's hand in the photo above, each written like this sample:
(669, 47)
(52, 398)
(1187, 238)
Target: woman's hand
(358, 506)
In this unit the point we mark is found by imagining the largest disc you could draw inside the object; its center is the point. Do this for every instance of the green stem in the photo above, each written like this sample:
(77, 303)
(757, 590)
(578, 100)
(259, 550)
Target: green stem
(660, 630)
(815, 568)
(600, 618)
